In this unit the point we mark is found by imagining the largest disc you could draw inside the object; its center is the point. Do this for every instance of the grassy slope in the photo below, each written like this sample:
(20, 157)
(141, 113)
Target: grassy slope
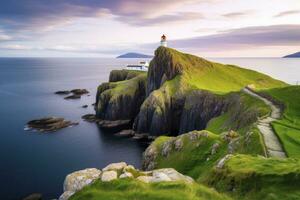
(125, 87)
(202, 74)
(223, 123)
(249, 177)
(192, 159)
(130, 189)
(288, 128)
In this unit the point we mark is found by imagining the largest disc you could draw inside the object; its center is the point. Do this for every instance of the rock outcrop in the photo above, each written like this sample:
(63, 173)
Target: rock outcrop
(77, 180)
(120, 100)
(80, 179)
(74, 94)
(49, 124)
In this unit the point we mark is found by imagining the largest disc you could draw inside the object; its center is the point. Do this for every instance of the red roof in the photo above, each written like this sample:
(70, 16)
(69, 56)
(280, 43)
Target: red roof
(163, 37)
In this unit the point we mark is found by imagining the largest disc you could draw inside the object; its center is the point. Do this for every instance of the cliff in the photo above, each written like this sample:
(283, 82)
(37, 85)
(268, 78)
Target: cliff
(184, 92)
(180, 93)
(121, 98)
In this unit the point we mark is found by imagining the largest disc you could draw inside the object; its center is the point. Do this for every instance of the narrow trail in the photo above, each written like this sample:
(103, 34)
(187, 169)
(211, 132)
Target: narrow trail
(273, 145)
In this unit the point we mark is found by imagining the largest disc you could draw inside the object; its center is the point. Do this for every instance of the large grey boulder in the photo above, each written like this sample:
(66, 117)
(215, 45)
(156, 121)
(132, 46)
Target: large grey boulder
(126, 175)
(109, 176)
(115, 166)
(172, 175)
(77, 180)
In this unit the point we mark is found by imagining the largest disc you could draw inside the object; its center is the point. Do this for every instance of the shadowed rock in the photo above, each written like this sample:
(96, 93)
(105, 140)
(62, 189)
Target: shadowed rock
(49, 124)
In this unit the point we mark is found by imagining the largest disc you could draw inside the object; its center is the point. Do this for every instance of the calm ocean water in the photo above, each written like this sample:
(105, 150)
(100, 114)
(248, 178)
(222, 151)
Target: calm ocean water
(32, 162)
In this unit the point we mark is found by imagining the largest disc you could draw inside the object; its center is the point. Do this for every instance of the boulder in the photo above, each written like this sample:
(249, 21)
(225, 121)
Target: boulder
(115, 166)
(149, 157)
(145, 179)
(126, 175)
(66, 195)
(166, 148)
(172, 175)
(222, 162)
(160, 176)
(214, 148)
(109, 176)
(128, 168)
(178, 144)
(77, 180)
(84, 106)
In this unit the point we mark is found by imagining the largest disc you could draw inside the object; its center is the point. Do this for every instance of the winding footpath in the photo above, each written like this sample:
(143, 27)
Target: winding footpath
(272, 143)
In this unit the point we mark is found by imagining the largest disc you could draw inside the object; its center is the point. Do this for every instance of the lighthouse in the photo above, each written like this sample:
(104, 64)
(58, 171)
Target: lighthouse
(163, 41)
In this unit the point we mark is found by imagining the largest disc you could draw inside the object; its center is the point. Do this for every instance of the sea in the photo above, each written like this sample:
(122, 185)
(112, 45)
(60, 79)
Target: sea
(33, 162)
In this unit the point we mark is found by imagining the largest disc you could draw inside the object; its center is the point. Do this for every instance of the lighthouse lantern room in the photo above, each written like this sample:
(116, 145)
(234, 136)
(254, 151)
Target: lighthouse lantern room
(163, 41)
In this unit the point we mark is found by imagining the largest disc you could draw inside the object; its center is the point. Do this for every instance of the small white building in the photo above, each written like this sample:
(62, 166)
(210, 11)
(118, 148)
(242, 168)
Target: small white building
(143, 66)
(163, 41)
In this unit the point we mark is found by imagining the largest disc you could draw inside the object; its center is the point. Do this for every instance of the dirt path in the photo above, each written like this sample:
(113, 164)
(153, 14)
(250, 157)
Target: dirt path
(273, 146)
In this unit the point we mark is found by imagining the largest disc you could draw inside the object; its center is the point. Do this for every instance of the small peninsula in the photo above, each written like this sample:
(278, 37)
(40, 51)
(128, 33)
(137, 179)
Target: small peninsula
(218, 131)
(134, 55)
(294, 55)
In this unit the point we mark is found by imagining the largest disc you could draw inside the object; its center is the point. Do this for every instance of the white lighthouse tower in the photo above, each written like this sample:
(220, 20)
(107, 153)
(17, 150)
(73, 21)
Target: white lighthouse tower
(163, 41)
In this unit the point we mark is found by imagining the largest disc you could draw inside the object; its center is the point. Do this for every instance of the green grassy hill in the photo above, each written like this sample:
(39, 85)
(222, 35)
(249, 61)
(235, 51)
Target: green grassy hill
(199, 73)
(250, 177)
(130, 189)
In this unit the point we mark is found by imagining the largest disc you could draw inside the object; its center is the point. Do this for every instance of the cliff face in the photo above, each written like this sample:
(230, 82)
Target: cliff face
(122, 99)
(180, 93)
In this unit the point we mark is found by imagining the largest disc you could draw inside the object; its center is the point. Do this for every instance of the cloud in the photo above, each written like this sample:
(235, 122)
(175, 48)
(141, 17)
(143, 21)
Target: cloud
(235, 14)
(4, 37)
(14, 47)
(162, 19)
(16, 14)
(248, 37)
(286, 13)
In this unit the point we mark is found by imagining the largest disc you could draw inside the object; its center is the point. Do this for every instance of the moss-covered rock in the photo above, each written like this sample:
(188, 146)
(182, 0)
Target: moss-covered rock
(121, 100)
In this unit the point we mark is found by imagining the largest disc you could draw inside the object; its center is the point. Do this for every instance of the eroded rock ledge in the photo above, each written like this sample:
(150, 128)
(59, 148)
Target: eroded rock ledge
(80, 179)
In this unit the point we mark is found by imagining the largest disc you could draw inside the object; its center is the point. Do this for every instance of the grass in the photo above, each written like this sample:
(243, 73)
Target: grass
(130, 189)
(218, 78)
(195, 156)
(251, 177)
(288, 127)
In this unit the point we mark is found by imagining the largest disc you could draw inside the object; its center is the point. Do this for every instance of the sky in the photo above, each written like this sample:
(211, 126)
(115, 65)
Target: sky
(97, 28)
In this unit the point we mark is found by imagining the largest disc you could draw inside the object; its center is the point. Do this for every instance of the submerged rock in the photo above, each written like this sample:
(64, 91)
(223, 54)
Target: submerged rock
(34, 196)
(63, 92)
(126, 133)
(73, 96)
(49, 124)
(90, 117)
(80, 91)
(76, 93)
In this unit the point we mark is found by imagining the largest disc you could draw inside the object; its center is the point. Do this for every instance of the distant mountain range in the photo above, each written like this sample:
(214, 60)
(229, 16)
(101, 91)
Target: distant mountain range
(134, 55)
(294, 55)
